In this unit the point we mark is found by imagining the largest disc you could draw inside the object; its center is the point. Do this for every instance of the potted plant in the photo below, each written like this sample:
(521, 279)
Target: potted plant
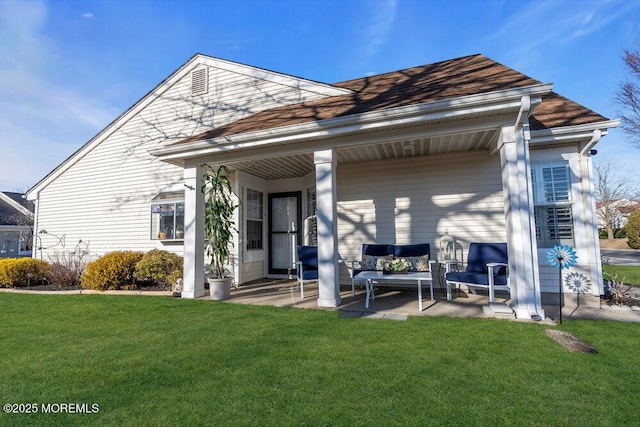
(218, 228)
(164, 233)
(179, 232)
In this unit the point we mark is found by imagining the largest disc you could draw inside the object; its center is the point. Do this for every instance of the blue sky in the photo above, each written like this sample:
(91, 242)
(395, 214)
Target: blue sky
(68, 68)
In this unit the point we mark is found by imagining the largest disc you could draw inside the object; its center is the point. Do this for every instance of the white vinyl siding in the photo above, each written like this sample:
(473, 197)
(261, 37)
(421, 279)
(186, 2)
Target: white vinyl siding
(415, 200)
(102, 196)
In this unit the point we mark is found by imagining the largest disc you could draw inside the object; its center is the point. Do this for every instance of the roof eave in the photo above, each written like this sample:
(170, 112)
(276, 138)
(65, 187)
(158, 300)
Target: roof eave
(510, 98)
(587, 135)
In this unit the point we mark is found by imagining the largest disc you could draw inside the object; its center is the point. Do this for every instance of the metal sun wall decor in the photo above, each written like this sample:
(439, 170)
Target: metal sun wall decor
(561, 256)
(579, 283)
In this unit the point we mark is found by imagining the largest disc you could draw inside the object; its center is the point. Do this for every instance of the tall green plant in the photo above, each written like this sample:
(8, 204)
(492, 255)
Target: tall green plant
(218, 217)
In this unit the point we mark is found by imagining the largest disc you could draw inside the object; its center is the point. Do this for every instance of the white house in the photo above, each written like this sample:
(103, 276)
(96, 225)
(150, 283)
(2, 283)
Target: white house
(466, 145)
(16, 232)
(619, 212)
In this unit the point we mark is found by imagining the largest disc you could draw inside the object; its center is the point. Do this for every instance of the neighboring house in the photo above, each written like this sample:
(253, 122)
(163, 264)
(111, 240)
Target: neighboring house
(619, 211)
(466, 145)
(16, 226)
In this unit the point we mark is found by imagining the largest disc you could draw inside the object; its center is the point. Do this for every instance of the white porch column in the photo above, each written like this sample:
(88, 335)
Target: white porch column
(193, 277)
(517, 191)
(327, 213)
(594, 262)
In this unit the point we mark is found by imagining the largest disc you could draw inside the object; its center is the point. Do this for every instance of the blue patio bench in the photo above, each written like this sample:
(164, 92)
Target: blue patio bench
(374, 255)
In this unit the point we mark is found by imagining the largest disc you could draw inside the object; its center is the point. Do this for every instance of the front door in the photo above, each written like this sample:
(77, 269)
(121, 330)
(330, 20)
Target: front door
(285, 217)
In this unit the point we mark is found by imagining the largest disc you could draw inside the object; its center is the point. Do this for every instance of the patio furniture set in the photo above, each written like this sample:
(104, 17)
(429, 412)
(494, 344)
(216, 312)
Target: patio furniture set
(486, 268)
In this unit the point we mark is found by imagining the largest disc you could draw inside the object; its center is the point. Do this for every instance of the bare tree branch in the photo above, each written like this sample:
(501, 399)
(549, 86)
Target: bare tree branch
(611, 190)
(628, 96)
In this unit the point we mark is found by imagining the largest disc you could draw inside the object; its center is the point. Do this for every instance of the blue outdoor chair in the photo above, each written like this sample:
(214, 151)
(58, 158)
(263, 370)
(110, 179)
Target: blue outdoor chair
(307, 266)
(487, 268)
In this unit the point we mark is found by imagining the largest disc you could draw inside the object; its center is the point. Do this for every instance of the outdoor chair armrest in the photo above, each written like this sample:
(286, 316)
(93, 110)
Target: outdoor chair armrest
(353, 263)
(492, 265)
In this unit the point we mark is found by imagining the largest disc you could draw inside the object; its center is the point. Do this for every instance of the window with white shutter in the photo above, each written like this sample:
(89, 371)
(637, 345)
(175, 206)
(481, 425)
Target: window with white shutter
(552, 203)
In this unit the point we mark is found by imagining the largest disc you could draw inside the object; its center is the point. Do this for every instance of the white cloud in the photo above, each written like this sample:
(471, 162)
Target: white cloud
(41, 121)
(87, 15)
(382, 19)
(556, 22)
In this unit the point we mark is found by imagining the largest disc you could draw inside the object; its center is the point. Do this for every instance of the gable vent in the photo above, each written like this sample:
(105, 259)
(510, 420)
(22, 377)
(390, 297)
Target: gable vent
(199, 81)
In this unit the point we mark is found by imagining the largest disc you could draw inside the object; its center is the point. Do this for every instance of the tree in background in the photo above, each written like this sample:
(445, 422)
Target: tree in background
(610, 189)
(628, 96)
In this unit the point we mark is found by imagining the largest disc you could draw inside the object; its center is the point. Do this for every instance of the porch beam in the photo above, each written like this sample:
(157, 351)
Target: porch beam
(517, 191)
(193, 277)
(427, 131)
(327, 214)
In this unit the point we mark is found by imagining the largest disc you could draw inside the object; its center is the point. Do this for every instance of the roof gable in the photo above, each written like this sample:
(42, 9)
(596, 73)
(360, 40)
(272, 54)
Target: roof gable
(320, 89)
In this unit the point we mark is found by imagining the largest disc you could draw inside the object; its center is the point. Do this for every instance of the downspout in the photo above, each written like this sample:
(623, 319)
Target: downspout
(521, 124)
(523, 114)
(595, 138)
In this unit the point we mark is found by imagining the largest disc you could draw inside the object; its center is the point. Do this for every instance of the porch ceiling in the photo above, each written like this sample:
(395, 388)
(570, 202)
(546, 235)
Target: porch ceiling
(298, 165)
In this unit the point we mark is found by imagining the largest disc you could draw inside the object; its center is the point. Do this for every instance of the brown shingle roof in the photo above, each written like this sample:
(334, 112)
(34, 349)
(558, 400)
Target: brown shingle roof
(428, 83)
(557, 111)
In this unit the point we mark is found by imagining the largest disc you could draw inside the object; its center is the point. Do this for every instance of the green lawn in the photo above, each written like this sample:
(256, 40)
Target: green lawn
(628, 274)
(164, 361)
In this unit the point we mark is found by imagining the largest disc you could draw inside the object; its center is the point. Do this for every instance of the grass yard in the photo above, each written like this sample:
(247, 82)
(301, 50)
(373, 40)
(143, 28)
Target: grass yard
(164, 361)
(628, 274)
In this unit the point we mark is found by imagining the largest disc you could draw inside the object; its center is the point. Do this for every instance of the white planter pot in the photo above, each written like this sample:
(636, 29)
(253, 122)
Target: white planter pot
(219, 289)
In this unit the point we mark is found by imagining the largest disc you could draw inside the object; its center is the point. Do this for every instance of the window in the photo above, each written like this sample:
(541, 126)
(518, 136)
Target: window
(254, 213)
(167, 217)
(311, 223)
(26, 241)
(311, 201)
(552, 203)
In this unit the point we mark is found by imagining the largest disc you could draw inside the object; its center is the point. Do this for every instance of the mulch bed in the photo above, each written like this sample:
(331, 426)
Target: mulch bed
(50, 287)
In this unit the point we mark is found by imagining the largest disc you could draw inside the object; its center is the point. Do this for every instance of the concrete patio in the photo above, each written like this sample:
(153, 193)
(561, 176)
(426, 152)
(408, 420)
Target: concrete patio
(398, 304)
(389, 302)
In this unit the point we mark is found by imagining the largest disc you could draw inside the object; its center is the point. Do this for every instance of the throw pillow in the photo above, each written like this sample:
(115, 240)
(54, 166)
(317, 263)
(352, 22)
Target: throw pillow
(418, 263)
(370, 262)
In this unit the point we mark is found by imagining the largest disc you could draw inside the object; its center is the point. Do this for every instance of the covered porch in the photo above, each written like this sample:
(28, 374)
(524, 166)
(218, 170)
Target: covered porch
(435, 142)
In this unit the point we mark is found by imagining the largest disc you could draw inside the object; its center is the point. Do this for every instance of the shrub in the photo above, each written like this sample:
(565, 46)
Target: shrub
(633, 230)
(619, 233)
(16, 272)
(66, 268)
(114, 270)
(163, 268)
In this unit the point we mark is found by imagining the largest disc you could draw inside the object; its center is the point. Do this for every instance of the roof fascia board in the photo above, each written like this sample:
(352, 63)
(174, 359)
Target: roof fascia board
(194, 62)
(275, 77)
(571, 133)
(305, 146)
(17, 206)
(472, 104)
